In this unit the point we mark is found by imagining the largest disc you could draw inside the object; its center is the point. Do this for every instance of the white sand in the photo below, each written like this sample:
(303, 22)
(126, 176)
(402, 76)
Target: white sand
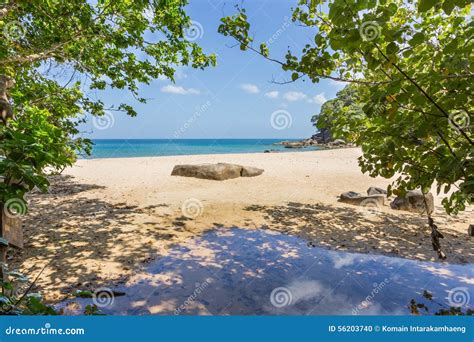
(113, 214)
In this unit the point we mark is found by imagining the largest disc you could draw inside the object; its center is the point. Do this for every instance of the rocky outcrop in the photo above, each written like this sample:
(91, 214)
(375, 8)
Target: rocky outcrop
(294, 144)
(338, 142)
(413, 201)
(314, 141)
(219, 171)
(324, 136)
(356, 198)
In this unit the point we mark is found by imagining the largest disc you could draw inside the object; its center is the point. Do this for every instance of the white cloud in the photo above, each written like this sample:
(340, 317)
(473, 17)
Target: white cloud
(250, 88)
(172, 89)
(272, 94)
(178, 75)
(318, 99)
(294, 96)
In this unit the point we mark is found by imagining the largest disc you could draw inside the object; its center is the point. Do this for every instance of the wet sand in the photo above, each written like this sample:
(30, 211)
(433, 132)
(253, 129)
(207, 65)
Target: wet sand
(262, 272)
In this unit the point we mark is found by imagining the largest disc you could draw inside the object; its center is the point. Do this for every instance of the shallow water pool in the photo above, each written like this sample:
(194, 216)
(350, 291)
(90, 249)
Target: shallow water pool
(260, 272)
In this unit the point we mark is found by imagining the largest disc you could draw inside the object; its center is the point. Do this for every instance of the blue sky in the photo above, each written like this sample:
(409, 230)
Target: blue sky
(236, 99)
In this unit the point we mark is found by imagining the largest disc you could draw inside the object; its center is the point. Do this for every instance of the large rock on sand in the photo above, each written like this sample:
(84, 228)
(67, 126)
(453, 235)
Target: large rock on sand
(249, 171)
(373, 190)
(413, 201)
(219, 171)
(355, 198)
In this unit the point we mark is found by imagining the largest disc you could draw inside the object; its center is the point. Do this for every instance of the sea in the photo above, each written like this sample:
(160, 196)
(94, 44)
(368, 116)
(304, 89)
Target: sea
(126, 148)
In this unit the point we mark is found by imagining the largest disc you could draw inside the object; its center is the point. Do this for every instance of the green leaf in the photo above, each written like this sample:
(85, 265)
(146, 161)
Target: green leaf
(426, 5)
(392, 48)
(417, 39)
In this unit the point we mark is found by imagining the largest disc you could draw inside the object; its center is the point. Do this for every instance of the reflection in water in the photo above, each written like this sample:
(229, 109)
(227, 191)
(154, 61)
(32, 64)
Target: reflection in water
(260, 272)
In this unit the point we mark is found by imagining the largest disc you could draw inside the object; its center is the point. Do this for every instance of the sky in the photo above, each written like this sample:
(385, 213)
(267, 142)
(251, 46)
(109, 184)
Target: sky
(235, 99)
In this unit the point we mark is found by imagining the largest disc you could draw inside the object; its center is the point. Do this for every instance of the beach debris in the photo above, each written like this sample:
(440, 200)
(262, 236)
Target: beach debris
(355, 198)
(414, 201)
(373, 190)
(219, 171)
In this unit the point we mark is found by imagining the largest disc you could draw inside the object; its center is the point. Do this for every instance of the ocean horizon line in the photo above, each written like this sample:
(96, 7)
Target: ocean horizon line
(123, 148)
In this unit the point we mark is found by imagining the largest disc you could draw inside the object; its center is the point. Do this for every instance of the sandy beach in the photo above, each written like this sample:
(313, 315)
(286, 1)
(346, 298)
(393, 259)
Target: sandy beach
(104, 218)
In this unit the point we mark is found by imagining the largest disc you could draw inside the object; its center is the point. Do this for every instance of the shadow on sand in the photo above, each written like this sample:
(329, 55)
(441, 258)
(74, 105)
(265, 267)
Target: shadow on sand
(363, 230)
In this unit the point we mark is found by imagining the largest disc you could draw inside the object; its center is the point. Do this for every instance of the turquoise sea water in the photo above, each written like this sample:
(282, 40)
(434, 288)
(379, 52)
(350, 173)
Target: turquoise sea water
(124, 148)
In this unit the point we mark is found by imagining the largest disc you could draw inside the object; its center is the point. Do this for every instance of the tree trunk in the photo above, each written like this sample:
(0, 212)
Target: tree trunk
(3, 249)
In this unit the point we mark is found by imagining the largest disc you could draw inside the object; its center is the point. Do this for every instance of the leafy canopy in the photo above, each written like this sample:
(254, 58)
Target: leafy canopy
(61, 54)
(410, 63)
